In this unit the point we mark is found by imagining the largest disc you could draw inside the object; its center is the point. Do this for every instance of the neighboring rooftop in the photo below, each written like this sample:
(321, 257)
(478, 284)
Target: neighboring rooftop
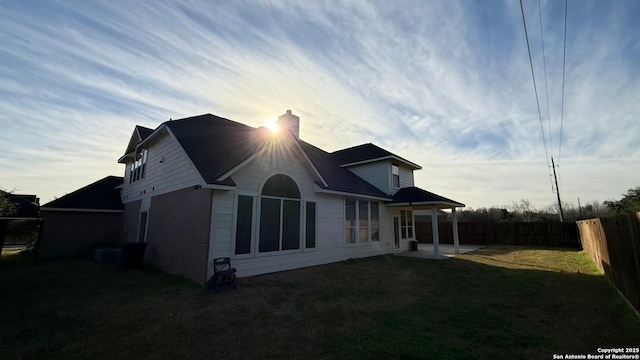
(26, 206)
(103, 194)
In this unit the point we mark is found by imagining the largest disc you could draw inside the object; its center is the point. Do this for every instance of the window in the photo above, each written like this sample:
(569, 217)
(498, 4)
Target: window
(138, 166)
(350, 221)
(280, 215)
(243, 224)
(362, 223)
(375, 222)
(310, 222)
(406, 224)
(395, 176)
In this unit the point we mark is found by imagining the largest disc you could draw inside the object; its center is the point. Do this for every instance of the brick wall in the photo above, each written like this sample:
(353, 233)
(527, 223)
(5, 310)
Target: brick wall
(178, 232)
(77, 233)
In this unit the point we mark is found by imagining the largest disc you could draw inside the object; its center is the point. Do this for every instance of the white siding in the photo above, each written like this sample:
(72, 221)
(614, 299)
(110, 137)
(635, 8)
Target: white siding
(377, 174)
(330, 245)
(175, 172)
(406, 177)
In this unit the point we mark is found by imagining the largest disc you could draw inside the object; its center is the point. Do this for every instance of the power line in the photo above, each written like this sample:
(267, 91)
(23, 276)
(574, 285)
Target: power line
(546, 84)
(564, 61)
(535, 89)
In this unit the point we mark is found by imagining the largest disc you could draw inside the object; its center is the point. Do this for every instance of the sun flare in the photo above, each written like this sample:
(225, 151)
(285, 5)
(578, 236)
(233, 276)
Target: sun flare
(272, 124)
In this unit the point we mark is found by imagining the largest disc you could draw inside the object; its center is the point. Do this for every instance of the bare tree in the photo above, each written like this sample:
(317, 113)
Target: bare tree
(7, 207)
(524, 209)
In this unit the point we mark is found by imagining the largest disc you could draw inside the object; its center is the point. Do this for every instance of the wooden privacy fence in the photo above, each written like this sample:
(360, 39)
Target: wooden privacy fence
(613, 243)
(510, 233)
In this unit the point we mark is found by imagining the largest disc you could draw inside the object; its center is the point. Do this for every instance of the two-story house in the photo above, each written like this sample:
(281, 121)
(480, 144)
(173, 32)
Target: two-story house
(205, 187)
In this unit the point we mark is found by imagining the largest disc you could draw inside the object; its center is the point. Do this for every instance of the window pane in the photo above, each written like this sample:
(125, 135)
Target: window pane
(243, 226)
(350, 221)
(363, 213)
(351, 235)
(363, 217)
(310, 233)
(403, 217)
(375, 222)
(409, 217)
(395, 175)
(350, 212)
(290, 225)
(269, 225)
(363, 235)
(404, 232)
(281, 186)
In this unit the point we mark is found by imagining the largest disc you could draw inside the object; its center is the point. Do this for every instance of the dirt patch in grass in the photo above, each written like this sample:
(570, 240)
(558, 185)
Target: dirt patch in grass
(498, 302)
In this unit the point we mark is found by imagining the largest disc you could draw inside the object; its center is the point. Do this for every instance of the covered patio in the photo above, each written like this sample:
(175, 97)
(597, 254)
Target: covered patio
(446, 251)
(414, 198)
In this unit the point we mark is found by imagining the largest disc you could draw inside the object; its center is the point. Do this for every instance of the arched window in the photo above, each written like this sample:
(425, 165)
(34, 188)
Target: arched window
(281, 186)
(280, 215)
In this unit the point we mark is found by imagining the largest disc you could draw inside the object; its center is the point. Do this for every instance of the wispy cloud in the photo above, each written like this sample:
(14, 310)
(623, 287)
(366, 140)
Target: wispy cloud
(446, 84)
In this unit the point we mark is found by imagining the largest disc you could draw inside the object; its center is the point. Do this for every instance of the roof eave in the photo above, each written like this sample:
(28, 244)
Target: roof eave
(383, 158)
(446, 204)
(350, 194)
(81, 210)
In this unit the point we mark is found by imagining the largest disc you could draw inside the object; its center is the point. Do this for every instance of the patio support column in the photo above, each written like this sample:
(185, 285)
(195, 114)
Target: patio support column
(436, 238)
(456, 240)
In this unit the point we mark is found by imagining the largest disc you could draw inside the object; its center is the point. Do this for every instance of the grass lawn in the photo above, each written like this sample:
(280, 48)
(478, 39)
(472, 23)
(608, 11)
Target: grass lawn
(495, 303)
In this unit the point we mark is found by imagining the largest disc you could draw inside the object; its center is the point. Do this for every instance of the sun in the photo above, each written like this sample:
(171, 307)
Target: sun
(272, 124)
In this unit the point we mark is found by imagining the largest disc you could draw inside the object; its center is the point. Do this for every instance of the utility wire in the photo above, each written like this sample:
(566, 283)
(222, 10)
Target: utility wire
(564, 61)
(535, 89)
(546, 84)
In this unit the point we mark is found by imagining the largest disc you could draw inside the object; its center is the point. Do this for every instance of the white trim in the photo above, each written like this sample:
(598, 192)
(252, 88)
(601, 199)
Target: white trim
(393, 157)
(348, 194)
(219, 187)
(81, 210)
(431, 203)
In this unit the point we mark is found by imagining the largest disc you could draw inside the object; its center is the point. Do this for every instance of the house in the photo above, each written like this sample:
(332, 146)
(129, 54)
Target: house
(74, 224)
(17, 208)
(205, 187)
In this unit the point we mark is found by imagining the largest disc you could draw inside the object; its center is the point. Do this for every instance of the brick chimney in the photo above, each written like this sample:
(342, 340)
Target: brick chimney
(290, 122)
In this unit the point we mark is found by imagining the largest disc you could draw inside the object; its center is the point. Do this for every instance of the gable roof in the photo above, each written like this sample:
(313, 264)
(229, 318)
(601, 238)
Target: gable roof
(25, 206)
(139, 134)
(102, 195)
(217, 145)
(367, 153)
(338, 178)
(416, 196)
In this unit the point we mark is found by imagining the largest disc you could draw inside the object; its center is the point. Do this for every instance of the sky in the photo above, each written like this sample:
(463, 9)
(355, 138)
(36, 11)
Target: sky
(445, 84)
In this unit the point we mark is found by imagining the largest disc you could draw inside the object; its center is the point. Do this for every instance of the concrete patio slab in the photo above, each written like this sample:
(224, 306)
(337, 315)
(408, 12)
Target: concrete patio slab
(425, 251)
